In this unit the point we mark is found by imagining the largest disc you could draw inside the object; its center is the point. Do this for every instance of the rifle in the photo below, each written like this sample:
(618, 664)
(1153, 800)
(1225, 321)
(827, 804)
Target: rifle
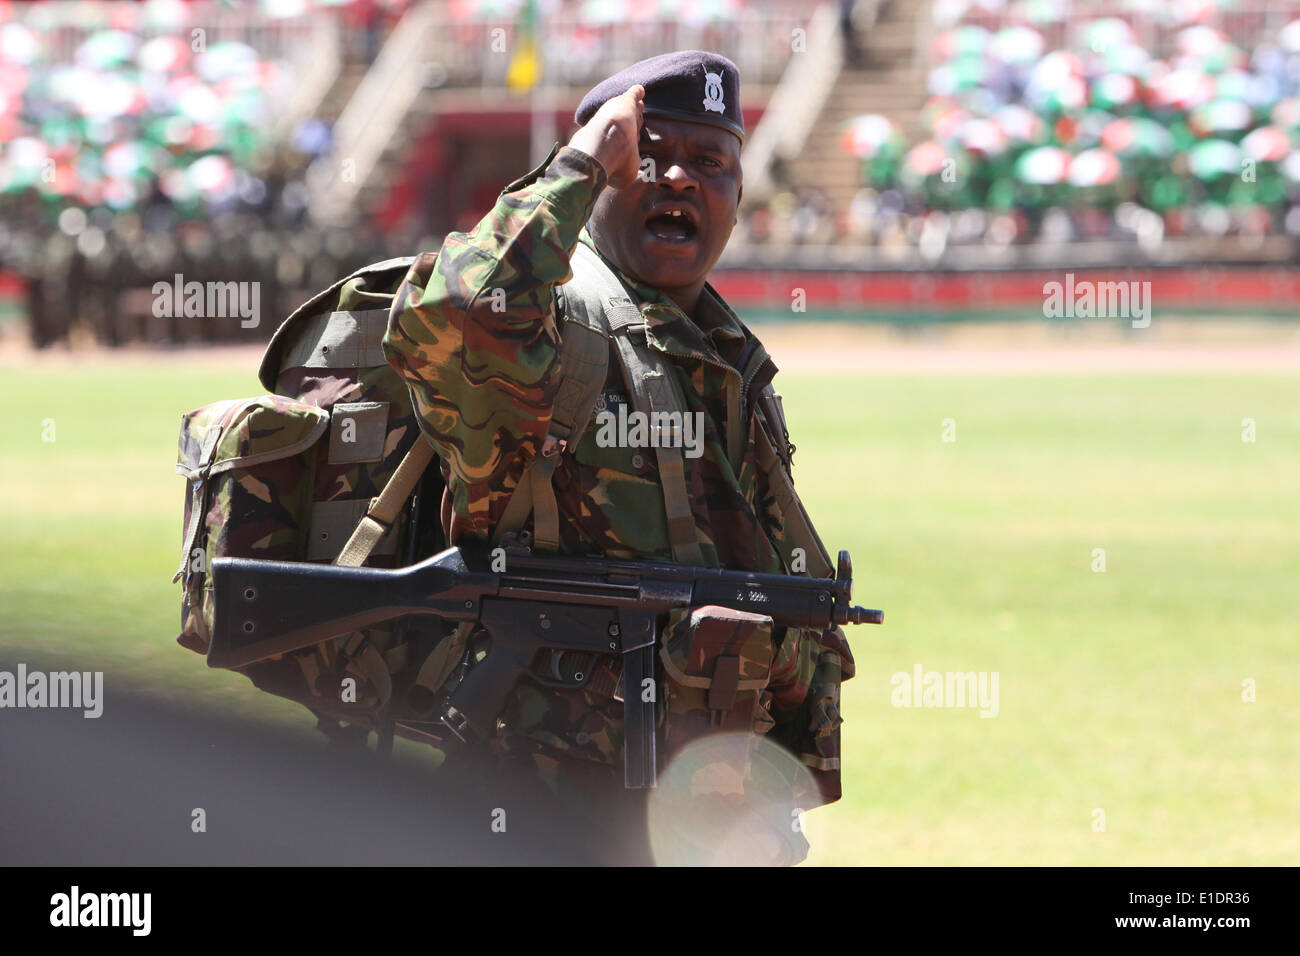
(542, 602)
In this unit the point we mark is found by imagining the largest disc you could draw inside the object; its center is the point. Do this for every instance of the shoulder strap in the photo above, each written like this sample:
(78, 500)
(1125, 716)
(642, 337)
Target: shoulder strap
(769, 400)
(584, 363)
(599, 310)
(384, 509)
(773, 459)
(654, 392)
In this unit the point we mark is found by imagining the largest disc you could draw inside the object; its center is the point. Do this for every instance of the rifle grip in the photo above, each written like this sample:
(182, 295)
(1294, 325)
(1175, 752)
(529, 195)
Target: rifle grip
(518, 629)
(481, 694)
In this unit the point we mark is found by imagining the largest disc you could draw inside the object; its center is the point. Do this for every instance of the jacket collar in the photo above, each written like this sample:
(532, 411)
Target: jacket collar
(716, 335)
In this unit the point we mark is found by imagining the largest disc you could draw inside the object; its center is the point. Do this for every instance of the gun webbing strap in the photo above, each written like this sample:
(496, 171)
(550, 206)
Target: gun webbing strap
(384, 509)
(370, 664)
(584, 361)
(546, 510)
(654, 391)
(444, 657)
(794, 518)
(378, 519)
(584, 358)
(774, 411)
(518, 507)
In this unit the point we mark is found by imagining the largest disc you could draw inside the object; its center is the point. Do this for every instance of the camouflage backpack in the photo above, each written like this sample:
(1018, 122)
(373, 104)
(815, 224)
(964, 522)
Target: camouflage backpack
(290, 475)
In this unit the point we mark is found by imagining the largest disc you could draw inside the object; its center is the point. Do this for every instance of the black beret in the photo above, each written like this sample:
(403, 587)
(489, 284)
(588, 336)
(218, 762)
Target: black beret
(687, 85)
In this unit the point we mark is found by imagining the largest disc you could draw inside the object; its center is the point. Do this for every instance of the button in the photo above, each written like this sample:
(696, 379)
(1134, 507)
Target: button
(582, 737)
(638, 461)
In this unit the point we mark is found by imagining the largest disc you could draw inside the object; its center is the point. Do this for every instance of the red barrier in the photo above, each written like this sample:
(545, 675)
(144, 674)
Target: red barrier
(1202, 288)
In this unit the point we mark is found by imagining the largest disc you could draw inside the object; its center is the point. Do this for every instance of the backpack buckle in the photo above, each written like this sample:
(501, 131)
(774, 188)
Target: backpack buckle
(370, 513)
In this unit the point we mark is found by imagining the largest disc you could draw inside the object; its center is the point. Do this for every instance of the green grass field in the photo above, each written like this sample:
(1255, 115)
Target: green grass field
(1120, 691)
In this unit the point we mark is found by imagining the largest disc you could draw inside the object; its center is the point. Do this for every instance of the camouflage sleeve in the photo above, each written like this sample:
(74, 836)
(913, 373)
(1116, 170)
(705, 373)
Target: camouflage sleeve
(472, 329)
(805, 706)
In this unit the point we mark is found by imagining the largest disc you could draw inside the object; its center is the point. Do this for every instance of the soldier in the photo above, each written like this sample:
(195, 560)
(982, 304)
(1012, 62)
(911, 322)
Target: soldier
(644, 195)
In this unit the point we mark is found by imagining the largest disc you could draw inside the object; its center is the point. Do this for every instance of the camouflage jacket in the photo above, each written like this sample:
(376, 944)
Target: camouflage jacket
(474, 333)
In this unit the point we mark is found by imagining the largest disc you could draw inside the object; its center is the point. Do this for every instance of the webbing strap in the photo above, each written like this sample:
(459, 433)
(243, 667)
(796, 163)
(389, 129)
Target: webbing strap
(546, 512)
(192, 526)
(384, 509)
(198, 480)
(379, 518)
(584, 358)
(444, 657)
(519, 507)
(794, 518)
(584, 361)
(370, 664)
(596, 301)
(654, 390)
(769, 400)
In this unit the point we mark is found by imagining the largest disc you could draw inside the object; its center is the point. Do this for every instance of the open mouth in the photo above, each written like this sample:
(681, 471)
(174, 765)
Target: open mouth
(672, 225)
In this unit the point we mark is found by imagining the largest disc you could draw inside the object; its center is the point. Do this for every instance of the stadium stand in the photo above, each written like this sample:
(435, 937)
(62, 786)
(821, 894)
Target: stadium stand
(1050, 122)
(142, 140)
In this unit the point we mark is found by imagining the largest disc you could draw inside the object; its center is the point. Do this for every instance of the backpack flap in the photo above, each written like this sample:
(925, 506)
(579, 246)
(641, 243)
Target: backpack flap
(292, 476)
(250, 483)
(369, 288)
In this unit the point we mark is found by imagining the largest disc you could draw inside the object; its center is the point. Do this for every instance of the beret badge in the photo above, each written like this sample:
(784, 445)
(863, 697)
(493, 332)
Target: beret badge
(713, 91)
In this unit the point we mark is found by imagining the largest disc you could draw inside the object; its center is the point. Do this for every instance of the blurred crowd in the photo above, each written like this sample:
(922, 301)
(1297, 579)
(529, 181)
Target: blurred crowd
(600, 11)
(135, 150)
(1097, 138)
(143, 141)
(577, 43)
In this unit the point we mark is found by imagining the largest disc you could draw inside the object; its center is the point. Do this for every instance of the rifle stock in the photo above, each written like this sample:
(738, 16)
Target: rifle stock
(264, 608)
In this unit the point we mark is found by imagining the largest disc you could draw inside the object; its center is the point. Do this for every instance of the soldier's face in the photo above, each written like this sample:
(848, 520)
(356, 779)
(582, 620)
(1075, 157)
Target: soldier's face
(669, 227)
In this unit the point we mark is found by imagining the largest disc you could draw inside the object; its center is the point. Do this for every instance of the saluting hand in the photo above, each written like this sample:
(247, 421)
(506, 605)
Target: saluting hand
(613, 134)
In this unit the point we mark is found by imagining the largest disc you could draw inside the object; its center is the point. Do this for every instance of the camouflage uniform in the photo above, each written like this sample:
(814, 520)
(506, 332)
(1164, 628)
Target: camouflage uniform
(474, 333)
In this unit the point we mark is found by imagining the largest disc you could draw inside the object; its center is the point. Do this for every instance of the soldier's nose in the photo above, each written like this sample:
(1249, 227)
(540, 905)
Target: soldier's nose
(676, 177)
